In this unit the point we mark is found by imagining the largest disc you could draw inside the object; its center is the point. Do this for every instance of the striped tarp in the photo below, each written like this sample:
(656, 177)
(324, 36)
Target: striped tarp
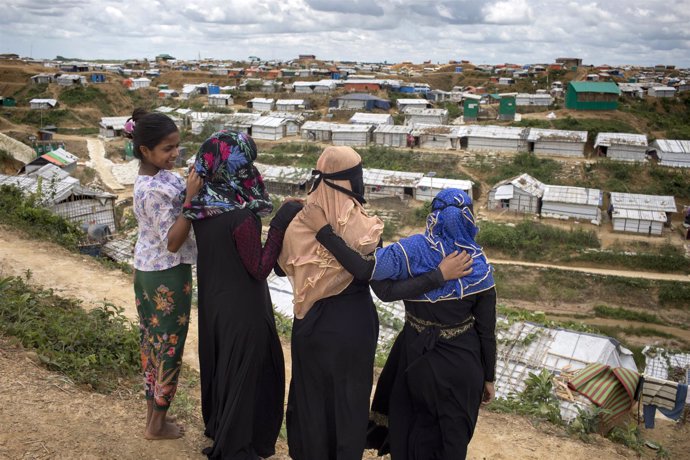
(658, 392)
(610, 389)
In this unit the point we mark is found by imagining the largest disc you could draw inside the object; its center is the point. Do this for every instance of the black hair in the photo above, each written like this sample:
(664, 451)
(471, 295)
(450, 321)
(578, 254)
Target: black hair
(138, 113)
(150, 130)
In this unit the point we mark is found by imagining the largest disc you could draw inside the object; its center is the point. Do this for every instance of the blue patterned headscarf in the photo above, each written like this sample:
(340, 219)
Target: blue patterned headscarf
(225, 162)
(449, 227)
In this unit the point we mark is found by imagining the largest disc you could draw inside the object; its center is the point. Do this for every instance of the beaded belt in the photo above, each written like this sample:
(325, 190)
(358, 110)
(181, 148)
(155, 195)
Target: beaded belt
(446, 331)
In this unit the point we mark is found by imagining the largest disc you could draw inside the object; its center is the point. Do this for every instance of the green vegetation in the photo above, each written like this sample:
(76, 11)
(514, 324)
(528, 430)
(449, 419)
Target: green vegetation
(76, 96)
(666, 259)
(558, 286)
(671, 115)
(542, 169)
(40, 118)
(603, 311)
(619, 176)
(26, 214)
(534, 241)
(95, 348)
(536, 401)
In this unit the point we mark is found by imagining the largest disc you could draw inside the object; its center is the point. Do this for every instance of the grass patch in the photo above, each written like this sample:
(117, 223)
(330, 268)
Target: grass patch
(542, 169)
(534, 241)
(603, 311)
(666, 259)
(95, 348)
(40, 118)
(76, 96)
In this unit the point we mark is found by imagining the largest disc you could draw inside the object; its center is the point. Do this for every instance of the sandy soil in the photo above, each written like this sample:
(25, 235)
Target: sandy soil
(49, 417)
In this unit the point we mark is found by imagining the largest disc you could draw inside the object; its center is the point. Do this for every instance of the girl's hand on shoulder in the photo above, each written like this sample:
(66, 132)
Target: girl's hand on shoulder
(456, 265)
(194, 184)
(313, 217)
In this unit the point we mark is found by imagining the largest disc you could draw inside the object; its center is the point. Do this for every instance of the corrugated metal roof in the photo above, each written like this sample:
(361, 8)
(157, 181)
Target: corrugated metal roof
(539, 134)
(393, 129)
(654, 216)
(672, 146)
(609, 139)
(220, 96)
(385, 177)
(664, 88)
(572, 195)
(595, 87)
(642, 202)
(373, 118)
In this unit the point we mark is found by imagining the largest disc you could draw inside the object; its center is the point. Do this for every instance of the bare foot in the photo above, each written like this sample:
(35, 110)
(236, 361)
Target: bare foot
(169, 430)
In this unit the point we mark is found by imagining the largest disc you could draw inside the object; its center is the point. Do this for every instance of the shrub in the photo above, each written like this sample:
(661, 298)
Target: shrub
(95, 348)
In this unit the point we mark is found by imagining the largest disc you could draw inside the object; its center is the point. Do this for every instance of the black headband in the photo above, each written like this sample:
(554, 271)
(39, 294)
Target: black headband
(346, 174)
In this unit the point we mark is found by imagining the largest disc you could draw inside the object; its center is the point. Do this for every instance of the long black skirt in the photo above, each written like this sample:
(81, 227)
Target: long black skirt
(428, 396)
(333, 350)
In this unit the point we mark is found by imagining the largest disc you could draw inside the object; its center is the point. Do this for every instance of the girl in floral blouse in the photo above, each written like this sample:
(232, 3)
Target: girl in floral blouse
(163, 256)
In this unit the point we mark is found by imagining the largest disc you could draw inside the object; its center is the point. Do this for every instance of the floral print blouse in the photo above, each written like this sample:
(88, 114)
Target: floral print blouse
(157, 203)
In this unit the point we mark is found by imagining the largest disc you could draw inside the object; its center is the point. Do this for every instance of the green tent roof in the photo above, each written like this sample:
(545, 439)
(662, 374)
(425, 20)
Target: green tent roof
(595, 87)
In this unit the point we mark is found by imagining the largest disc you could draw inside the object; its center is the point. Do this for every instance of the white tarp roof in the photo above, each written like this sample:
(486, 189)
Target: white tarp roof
(491, 131)
(371, 118)
(636, 214)
(287, 174)
(343, 128)
(609, 139)
(539, 134)
(261, 100)
(393, 129)
(290, 102)
(526, 347)
(318, 125)
(673, 146)
(388, 178)
(269, 122)
(116, 123)
(641, 202)
(441, 183)
(51, 102)
(572, 195)
(504, 192)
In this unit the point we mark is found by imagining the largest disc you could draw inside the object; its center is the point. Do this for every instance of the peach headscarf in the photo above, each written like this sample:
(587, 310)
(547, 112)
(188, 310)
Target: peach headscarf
(312, 270)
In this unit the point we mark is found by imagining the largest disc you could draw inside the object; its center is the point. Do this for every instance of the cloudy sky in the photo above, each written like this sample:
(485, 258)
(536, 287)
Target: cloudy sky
(496, 31)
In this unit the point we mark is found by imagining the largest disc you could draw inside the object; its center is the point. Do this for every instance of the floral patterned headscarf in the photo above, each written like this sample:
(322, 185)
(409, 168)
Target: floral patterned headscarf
(225, 162)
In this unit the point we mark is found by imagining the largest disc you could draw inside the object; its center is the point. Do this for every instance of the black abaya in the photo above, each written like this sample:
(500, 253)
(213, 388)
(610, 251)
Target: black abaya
(333, 349)
(240, 356)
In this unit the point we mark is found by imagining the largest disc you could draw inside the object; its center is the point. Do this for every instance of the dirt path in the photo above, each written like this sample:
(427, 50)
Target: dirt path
(599, 271)
(101, 164)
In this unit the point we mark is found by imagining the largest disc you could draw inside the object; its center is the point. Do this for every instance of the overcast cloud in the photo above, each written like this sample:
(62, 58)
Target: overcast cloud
(518, 31)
